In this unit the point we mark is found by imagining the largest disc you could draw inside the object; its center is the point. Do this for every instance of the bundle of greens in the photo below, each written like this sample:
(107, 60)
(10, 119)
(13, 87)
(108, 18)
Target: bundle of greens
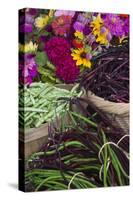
(89, 153)
(38, 103)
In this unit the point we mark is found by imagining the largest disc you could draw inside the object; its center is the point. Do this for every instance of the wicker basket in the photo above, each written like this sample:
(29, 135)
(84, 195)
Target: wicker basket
(117, 112)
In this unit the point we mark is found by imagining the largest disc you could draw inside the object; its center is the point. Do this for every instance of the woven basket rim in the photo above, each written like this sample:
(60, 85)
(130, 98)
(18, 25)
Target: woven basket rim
(108, 106)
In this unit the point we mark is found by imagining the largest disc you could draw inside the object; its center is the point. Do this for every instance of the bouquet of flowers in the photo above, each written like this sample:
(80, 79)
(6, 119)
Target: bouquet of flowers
(57, 45)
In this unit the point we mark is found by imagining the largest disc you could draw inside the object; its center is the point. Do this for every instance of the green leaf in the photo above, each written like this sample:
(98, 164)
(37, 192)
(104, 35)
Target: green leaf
(41, 58)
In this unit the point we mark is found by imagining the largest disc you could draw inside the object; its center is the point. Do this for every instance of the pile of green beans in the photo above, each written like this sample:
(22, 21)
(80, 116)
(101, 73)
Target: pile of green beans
(38, 103)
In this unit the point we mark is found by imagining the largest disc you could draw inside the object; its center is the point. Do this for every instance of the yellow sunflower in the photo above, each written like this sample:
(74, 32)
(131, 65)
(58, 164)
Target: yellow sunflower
(80, 55)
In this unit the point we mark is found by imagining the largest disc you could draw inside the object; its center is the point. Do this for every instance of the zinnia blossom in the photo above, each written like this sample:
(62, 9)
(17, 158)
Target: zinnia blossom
(61, 25)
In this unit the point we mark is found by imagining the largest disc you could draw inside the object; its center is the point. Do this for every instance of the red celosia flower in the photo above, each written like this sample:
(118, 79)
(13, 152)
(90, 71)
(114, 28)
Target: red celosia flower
(57, 49)
(68, 71)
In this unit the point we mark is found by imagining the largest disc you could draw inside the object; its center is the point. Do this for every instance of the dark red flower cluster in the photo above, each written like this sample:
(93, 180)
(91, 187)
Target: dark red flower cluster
(58, 51)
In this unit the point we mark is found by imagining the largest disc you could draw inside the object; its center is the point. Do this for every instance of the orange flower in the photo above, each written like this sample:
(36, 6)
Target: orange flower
(77, 43)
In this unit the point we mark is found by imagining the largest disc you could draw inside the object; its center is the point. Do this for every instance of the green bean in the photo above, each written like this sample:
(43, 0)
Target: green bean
(43, 98)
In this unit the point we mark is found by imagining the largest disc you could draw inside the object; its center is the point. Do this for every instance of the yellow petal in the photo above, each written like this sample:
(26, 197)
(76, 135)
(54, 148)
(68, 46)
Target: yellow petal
(79, 62)
(88, 64)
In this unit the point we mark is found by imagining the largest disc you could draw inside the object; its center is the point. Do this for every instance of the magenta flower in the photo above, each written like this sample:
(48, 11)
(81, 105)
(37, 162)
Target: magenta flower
(126, 26)
(68, 71)
(57, 49)
(115, 24)
(27, 69)
(26, 23)
(25, 28)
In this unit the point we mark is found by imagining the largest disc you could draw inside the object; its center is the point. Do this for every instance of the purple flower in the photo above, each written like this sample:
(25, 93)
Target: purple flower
(88, 56)
(91, 39)
(81, 18)
(27, 69)
(103, 29)
(43, 38)
(78, 26)
(109, 36)
(26, 23)
(114, 23)
(64, 12)
(25, 28)
(48, 28)
(86, 30)
(32, 11)
(29, 19)
(126, 26)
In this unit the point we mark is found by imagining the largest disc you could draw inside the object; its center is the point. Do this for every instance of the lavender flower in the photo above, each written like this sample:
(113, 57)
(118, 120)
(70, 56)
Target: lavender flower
(115, 24)
(27, 69)
(81, 18)
(29, 19)
(64, 12)
(78, 26)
